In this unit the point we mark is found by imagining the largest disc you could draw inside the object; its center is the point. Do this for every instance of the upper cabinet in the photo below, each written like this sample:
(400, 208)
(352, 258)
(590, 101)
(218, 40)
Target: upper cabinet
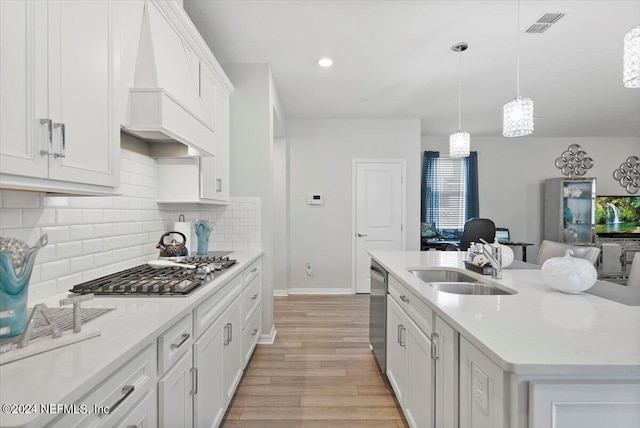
(59, 118)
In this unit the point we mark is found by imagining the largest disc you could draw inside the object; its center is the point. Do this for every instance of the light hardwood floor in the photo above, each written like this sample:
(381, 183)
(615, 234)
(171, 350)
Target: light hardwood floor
(318, 373)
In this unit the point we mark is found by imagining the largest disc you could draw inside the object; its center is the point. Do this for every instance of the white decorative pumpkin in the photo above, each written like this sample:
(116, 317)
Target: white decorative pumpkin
(569, 274)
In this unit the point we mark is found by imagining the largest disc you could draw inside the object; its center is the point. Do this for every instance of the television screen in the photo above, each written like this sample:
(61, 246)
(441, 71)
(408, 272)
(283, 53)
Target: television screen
(617, 215)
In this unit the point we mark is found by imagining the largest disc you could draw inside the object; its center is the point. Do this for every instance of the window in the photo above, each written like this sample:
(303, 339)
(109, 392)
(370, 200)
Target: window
(449, 193)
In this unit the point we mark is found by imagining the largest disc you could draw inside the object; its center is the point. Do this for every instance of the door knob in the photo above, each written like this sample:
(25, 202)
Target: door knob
(361, 235)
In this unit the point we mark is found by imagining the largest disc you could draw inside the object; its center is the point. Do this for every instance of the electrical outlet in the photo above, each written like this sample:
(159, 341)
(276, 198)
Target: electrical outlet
(479, 385)
(309, 268)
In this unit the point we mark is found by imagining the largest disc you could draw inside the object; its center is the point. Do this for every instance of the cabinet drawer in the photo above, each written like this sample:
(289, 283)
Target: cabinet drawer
(251, 334)
(251, 298)
(252, 271)
(144, 414)
(119, 393)
(419, 312)
(173, 343)
(212, 308)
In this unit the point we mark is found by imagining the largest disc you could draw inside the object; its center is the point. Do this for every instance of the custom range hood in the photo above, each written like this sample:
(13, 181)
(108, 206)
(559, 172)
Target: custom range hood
(165, 104)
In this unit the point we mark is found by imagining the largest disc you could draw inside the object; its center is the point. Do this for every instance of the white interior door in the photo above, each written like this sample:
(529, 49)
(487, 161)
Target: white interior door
(379, 214)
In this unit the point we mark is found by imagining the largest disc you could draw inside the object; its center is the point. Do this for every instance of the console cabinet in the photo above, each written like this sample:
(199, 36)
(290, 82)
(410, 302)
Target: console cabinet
(59, 119)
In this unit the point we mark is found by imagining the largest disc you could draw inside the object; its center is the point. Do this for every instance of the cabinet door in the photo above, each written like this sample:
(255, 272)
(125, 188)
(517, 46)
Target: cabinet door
(83, 75)
(396, 349)
(208, 177)
(23, 88)
(222, 142)
(481, 390)
(446, 393)
(175, 403)
(209, 401)
(233, 350)
(418, 402)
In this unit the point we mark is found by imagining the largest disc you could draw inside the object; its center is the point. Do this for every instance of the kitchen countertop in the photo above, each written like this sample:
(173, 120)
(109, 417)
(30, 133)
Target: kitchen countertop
(65, 375)
(539, 331)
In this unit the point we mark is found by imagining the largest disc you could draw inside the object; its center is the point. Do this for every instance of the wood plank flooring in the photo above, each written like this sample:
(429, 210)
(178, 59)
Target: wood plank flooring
(318, 373)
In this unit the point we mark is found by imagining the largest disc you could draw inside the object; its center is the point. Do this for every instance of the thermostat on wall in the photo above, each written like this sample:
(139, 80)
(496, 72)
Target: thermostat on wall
(314, 199)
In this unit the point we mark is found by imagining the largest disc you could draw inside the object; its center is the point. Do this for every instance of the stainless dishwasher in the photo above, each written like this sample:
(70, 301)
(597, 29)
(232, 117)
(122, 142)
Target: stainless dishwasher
(378, 314)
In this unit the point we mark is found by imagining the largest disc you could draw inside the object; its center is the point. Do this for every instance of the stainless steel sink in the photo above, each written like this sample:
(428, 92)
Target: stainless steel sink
(454, 282)
(441, 276)
(475, 288)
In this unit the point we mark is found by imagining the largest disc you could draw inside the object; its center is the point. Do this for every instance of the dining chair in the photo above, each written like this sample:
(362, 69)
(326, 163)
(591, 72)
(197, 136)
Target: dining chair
(549, 249)
(634, 274)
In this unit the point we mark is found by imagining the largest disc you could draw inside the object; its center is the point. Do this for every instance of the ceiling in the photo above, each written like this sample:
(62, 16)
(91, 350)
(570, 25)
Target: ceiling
(393, 59)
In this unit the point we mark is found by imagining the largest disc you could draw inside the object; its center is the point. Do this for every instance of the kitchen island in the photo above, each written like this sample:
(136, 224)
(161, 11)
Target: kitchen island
(521, 356)
(143, 341)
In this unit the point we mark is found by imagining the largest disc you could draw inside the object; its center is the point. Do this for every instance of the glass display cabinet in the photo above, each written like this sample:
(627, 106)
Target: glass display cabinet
(570, 210)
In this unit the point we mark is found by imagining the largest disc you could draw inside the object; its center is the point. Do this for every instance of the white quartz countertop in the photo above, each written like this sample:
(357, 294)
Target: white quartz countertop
(538, 330)
(65, 375)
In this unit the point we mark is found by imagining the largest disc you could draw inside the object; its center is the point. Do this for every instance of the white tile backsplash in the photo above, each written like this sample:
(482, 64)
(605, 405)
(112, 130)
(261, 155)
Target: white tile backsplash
(94, 236)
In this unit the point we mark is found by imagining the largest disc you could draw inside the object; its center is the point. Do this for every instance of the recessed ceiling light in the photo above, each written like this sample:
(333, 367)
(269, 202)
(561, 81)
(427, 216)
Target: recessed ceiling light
(325, 62)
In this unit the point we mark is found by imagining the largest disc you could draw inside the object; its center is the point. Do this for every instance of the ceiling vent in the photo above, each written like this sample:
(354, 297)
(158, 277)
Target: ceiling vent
(544, 23)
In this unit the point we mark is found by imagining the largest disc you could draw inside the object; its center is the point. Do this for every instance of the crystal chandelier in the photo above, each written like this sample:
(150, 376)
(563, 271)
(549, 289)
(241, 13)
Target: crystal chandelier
(518, 113)
(631, 73)
(459, 142)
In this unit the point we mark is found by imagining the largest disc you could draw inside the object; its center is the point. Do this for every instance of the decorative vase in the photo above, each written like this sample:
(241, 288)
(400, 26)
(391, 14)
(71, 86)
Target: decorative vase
(16, 264)
(203, 231)
(569, 274)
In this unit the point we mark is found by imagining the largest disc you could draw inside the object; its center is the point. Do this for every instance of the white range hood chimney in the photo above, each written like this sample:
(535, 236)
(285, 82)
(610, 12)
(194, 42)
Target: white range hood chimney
(164, 104)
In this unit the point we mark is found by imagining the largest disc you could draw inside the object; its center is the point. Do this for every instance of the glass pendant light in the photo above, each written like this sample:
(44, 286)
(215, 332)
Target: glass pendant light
(631, 73)
(518, 113)
(459, 142)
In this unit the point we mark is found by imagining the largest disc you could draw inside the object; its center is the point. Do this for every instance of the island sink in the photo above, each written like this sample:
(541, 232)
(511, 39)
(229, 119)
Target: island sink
(454, 282)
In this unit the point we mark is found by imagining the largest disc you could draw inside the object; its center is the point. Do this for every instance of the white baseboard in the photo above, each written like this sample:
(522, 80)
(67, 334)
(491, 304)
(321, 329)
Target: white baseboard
(268, 339)
(280, 293)
(319, 291)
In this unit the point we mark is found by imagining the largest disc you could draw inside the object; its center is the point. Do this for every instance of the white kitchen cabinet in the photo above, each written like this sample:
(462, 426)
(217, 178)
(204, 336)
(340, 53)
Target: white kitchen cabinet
(410, 366)
(482, 390)
(59, 121)
(222, 144)
(144, 414)
(233, 361)
(396, 350)
(584, 404)
(446, 355)
(175, 394)
(188, 180)
(208, 361)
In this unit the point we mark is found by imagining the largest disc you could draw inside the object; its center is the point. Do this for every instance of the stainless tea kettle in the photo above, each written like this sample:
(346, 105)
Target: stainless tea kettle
(174, 250)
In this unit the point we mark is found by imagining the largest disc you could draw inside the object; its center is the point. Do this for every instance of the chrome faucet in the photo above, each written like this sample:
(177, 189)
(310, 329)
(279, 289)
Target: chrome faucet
(495, 258)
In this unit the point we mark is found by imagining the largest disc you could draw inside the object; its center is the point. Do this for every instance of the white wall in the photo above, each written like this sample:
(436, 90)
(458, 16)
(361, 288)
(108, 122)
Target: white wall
(512, 173)
(90, 237)
(321, 153)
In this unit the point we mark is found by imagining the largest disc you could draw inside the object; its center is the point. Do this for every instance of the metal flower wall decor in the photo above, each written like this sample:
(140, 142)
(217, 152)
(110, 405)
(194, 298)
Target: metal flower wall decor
(628, 175)
(574, 161)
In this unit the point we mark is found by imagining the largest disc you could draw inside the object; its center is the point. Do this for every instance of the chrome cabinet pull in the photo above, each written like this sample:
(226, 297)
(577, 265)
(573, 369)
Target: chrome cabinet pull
(226, 334)
(194, 380)
(404, 298)
(434, 346)
(63, 141)
(255, 269)
(399, 332)
(127, 390)
(185, 337)
(254, 332)
(361, 235)
(402, 341)
(218, 185)
(49, 150)
(254, 297)
(230, 332)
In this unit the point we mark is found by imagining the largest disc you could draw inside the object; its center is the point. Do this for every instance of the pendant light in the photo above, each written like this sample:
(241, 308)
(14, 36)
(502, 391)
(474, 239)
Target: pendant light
(631, 73)
(459, 142)
(518, 113)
